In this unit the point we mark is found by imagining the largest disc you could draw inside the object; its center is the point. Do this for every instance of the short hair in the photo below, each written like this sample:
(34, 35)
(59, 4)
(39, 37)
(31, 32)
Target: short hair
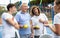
(32, 12)
(10, 6)
(22, 4)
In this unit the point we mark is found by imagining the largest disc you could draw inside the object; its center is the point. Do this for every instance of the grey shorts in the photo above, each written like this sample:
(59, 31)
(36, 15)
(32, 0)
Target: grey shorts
(25, 36)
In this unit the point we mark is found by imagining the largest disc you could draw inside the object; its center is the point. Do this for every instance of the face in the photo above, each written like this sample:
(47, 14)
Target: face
(56, 8)
(13, 9)
(24, 7)
(35, 10)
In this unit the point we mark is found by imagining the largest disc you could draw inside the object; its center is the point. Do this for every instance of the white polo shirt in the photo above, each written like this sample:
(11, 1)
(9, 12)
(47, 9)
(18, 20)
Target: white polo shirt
(8, 29)
(57, 21)
(35, 20)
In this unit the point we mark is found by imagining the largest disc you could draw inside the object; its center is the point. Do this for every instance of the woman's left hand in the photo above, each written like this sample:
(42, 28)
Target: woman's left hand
(32, 35)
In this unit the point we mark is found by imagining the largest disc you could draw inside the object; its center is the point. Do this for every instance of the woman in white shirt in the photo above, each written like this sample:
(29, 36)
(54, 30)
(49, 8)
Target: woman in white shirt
(56, 27)
(38, 19)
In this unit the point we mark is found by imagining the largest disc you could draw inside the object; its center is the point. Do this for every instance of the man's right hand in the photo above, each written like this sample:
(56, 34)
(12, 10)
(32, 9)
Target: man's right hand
(21, 26)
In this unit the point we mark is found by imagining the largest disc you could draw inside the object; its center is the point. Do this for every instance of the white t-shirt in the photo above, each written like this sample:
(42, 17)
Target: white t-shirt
(8, 29)
(35, 21)
(57, 21)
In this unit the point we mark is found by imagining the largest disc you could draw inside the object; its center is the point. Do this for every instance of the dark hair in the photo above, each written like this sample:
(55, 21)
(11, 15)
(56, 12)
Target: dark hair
(10, 6)
(57, 2)
(32, 12)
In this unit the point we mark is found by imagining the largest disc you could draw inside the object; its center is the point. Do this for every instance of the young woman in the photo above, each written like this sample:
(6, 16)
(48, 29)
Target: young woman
(56, 27)
(38, 19)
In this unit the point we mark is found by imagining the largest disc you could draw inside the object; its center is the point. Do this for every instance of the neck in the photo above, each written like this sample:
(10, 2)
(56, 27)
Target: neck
(58, 11)
(37, 14)
(9, 12)
(23, 11)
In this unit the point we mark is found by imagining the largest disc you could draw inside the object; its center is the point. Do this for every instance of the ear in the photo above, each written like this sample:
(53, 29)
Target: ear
(10, 9)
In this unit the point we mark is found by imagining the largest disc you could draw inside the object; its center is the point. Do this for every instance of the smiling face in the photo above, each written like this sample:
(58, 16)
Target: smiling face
(36, 11)
(57, 6)
(24, 7)
(13, 9)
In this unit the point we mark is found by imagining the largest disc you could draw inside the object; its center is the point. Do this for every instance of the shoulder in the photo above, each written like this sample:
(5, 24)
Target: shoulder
(32, 18)
(42, 14)
(19, 12)
(27, 13)
(57, 19)
(57, 16)
(5, 14)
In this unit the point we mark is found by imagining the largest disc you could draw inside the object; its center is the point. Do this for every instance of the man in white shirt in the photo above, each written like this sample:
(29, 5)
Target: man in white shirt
(9, 23)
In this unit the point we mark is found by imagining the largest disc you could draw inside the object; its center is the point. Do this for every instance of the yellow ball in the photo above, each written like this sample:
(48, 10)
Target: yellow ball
(37, 26)
(25, 26)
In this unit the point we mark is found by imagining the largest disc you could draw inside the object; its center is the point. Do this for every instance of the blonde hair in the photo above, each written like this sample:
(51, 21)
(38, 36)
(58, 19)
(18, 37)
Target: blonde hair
(32, 8)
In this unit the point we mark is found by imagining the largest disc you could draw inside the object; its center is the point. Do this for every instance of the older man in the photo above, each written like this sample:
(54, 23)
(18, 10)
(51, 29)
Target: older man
(23, 18)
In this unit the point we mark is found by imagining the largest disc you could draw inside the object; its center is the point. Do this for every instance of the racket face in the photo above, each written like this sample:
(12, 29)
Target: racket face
(46, 36)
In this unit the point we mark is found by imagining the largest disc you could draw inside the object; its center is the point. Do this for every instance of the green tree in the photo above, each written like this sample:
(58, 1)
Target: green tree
(2, 9)
(38, 1)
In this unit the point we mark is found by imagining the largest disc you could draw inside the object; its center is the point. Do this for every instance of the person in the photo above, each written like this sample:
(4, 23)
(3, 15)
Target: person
(23, 19)
(0, 28)
(56, 27)
(9, 23)
(38, 19)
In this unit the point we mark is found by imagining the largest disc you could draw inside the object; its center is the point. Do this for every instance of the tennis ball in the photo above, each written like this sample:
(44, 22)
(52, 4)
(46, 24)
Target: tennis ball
(25, 26)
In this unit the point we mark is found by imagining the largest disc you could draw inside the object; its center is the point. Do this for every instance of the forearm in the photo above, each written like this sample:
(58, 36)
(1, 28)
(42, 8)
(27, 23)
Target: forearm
(42, 21)
(17, 26)
(20, 25)
(32, 29)
(14, 24)
(52, 28)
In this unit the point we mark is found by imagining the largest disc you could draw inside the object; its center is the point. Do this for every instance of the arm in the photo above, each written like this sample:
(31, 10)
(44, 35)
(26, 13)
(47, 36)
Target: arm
(43, 18)
(52, 28)
(32, 30)
(31, 27)
(55, 28)
(10, 21)
(17, 17)
(20, 25)
(40, 20)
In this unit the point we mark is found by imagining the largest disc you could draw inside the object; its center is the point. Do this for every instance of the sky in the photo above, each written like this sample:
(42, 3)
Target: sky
(5, 2)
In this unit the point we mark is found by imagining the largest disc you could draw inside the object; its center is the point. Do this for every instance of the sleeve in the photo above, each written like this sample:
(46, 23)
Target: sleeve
(6, 16)
(17, 17)
(32, 21)
(45, 17)
(56, 20)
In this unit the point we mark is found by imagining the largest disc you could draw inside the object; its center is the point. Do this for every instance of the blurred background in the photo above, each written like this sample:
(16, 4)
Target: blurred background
(46, 7)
